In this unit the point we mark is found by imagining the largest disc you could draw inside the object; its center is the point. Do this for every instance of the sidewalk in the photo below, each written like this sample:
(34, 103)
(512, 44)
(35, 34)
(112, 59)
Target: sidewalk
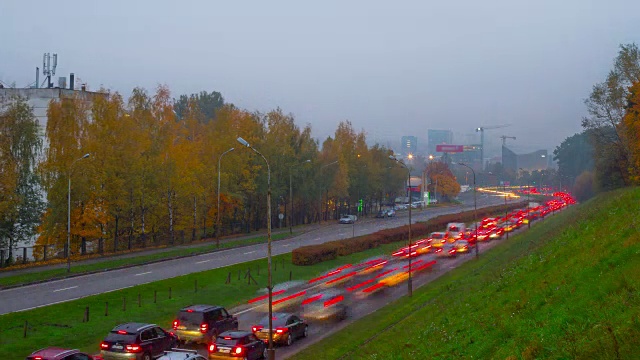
(300, 229)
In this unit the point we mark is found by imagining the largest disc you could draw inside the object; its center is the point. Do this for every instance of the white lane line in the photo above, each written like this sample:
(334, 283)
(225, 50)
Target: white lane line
(69, 288)
(250, 252)
(286, 245)
(144, 273)
(203, 261)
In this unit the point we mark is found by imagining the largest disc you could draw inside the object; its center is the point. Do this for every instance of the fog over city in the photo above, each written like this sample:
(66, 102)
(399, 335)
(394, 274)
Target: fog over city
(391, 68)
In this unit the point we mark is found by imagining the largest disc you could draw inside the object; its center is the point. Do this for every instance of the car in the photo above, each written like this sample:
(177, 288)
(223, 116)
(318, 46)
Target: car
(348, 219)
(136, 341)
(201, 324)
(457, 230)
(438, 238)
(327, 307)
(56, 353)
(286, 328)
(381, 214)
(391, 213)
(237, 344)
(181, 354)
(447, 250)
(462, 246)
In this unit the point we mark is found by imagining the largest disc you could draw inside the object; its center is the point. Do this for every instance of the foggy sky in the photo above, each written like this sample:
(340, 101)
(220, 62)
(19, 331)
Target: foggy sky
(392, 68)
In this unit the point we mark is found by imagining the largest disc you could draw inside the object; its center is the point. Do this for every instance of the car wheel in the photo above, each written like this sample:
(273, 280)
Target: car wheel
(305, 333)
(289, 340)
(146, 356)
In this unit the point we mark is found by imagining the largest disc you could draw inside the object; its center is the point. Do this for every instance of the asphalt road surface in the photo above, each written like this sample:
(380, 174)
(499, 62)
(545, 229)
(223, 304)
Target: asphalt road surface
(38, 295)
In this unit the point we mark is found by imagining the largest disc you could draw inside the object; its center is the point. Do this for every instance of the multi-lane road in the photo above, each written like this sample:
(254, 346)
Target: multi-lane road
(38, 295)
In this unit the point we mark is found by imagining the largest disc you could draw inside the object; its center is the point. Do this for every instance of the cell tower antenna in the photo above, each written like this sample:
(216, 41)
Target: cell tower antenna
(47, 70)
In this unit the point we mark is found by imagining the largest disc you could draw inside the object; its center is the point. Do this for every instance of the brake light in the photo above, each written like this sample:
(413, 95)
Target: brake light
(333, 301)
(204, 327)
(311, 299)
(133, 348)
(257, 328)
(122, 332)
(175, 324)
(281, 330)
(238, 350)
(212, 348)
(452, 251)
(37, 358)
(227, 337)
(104, 345)
(189, 310)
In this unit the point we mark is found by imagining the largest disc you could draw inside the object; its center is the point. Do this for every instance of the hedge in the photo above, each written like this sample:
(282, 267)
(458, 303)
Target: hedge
(313, 254)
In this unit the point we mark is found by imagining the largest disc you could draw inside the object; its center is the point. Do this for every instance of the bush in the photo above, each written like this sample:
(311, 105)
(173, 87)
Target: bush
(313, 254)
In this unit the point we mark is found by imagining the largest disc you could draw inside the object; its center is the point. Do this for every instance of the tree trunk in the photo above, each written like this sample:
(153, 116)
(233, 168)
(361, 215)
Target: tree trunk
(170, 205)
(115, 235)
(195, 214)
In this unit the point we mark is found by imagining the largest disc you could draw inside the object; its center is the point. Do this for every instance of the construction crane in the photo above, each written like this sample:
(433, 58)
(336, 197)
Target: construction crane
(504, 139)
(481, 129)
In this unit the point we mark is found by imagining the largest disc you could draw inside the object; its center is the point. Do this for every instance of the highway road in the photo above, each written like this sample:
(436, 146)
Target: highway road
(38, 295)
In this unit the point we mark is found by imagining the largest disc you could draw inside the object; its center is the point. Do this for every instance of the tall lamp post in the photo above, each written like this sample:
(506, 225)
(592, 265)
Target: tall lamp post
(321, 168)
(475, 205)
(69, 213)
(409, 281)
(291, 195)
(528, 197)
(271, 355)
(218, 206)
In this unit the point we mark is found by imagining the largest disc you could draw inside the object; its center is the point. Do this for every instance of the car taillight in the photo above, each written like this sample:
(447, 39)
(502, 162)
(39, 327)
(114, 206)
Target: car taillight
(104, 345)
(257, 328)
(212, 348)
(122, 332)
(204, 327)
(452, 251)
(281, 330)
(238, 350)
(37, 358)
(175, 324)
(133, 348)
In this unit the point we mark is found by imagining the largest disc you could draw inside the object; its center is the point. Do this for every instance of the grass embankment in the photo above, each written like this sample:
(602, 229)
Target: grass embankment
(568, 288)
(61, 324)
(79, 268)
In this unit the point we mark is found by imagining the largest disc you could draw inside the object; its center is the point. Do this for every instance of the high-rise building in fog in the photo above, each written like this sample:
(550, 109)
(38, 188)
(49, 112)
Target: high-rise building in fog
(438, 137)
(409, 145)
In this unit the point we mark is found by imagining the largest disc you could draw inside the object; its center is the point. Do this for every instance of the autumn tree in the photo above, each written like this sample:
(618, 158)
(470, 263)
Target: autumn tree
(631, 128)
(574, 156)
(442, 181)
(205, 103)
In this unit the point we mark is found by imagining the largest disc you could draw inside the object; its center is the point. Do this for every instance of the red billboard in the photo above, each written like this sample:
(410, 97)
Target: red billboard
(449, 148)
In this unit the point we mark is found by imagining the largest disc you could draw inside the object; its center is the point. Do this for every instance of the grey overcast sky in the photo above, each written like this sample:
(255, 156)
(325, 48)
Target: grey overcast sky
(392, 68)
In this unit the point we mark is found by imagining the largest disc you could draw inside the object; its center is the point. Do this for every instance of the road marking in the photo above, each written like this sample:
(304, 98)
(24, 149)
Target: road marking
(203, 261)
(250, 252)
(69, 288)
(144, 273)
(286, 245)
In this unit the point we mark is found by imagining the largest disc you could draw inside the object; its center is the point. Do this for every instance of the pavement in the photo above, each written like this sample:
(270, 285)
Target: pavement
(57, 291)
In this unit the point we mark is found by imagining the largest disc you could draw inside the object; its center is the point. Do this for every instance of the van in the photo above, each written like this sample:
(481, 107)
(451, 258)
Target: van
(456, 230)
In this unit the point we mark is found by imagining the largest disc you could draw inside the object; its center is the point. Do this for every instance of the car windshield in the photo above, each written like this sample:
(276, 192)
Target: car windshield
(190, 318)
(226, 340)
(436, 235)
(277, 321)
(121, 338)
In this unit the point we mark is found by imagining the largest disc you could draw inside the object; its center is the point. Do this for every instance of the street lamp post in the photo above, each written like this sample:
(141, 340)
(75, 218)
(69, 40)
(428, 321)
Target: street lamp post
(410, 280)
(218, 206)
(271, 355)
(475, 206)
(291, 196)
(69, 213)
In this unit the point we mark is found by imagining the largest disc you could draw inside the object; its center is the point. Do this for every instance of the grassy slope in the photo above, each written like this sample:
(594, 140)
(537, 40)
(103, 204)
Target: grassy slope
(61, 324)
(568, 288)
(115, 263)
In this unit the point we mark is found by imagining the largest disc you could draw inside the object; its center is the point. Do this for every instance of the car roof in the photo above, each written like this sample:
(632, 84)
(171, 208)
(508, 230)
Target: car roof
(201, 308)
(180, 354)
(235, 334)
(54, 352)
(133, 327)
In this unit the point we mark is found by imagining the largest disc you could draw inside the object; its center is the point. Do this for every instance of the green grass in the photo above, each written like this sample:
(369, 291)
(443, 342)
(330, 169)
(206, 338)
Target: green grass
(566, 289)
(115, 263)
(62, 325)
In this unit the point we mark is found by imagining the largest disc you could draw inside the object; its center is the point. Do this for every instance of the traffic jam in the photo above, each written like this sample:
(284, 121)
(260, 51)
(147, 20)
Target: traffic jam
(210, 331)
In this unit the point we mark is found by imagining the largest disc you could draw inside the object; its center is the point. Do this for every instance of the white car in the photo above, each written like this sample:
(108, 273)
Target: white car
(348, 219)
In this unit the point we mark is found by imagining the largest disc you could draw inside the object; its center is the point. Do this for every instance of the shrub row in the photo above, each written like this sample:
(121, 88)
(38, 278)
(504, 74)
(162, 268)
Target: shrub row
(313, 254)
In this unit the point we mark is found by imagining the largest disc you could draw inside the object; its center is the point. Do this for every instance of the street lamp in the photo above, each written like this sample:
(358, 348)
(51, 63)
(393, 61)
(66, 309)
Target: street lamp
(69, 213)
(321, 168)
(291, 195)
(409, 282)
(218, 207)
(475, 205)
(271, 355)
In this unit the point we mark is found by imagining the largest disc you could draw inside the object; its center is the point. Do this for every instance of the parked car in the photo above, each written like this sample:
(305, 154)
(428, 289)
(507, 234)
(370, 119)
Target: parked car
(136, 341)
(56, 353)
(181, 354)
(391, 213)
(348, 219)
(237, 344)
(202, 323)
(381, 214)
(286, 328)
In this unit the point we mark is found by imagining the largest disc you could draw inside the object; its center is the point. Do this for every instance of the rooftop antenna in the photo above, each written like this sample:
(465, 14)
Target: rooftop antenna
(47, 70)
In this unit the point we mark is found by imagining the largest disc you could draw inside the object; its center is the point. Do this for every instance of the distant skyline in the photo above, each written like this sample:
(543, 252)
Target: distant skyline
(392, 69)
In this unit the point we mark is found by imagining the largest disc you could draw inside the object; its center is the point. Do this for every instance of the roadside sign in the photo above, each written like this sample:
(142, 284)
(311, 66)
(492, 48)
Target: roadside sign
(449, 148)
